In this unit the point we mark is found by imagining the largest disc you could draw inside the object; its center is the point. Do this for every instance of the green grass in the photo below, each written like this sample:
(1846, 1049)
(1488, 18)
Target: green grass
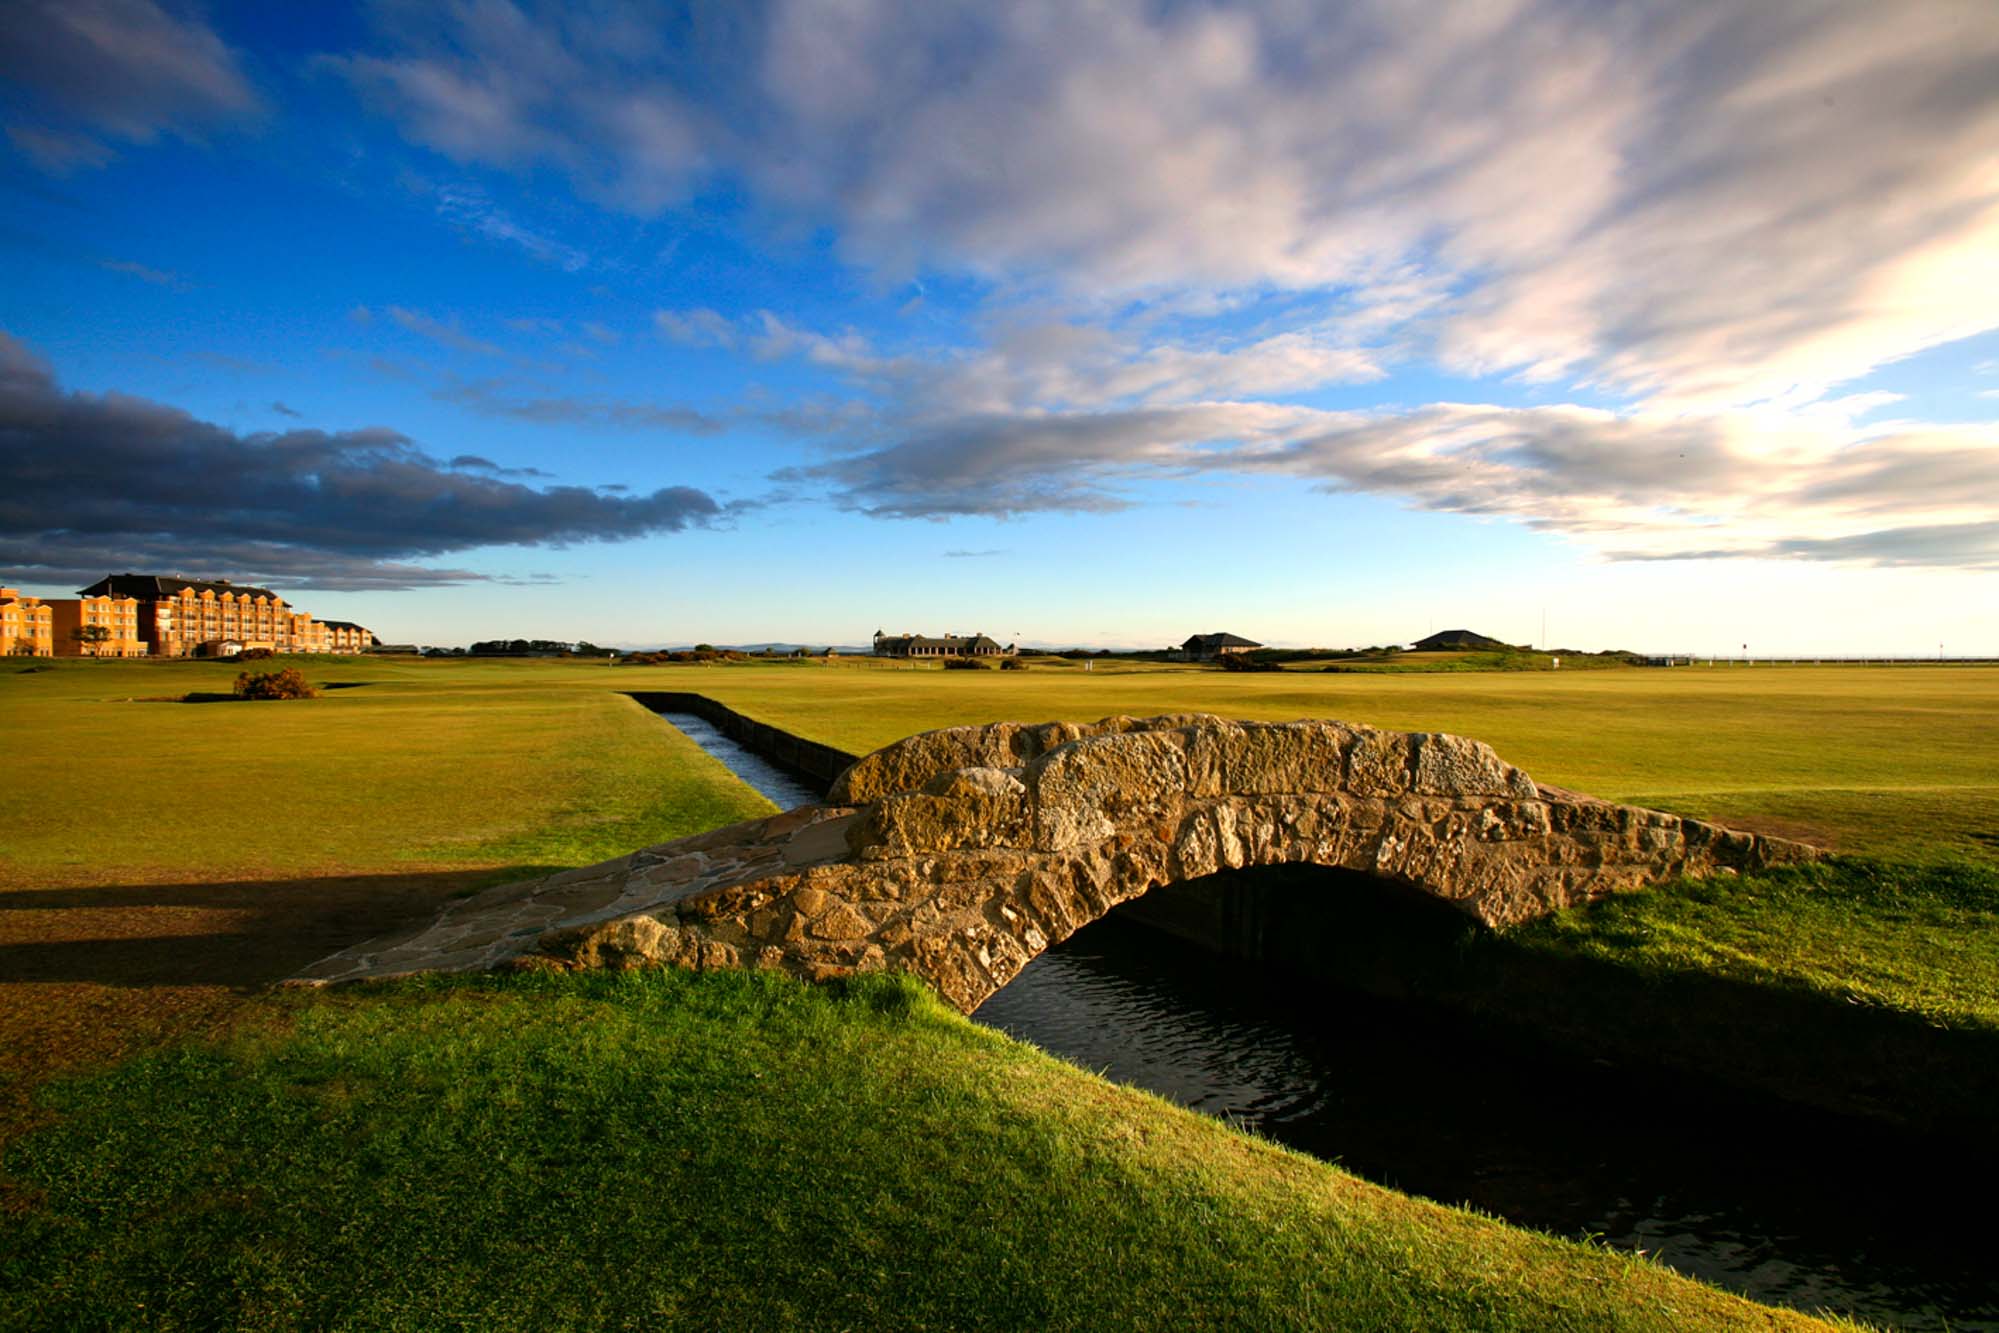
(1921, 940)
(1860, 986)
(1899, 762)
(743, 1151)
(407, 767)
(728, 1151)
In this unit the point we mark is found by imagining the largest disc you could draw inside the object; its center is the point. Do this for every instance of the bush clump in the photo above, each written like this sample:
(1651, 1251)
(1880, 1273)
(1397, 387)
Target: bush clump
(1012, 664)
(1244, 662)
(285, 684)
(683, 657)
(254, 654)
(965, 664)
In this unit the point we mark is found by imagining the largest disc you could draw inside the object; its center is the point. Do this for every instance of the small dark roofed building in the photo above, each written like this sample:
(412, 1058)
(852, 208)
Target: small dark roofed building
(951, 645)
(1209, 647)
(1458, 641)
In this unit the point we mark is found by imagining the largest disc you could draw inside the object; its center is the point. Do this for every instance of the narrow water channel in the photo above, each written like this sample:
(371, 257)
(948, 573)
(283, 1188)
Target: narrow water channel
(1782, 1206)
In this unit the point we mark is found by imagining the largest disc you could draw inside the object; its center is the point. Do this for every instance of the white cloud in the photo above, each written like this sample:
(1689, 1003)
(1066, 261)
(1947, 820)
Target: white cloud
(695, 328)
(1705, 205)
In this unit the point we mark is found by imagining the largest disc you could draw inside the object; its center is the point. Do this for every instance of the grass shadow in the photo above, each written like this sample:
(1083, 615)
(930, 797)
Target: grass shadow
(89, 974)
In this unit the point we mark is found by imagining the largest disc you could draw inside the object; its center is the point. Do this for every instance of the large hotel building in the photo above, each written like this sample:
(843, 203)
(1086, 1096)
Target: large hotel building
(150, 615)
(25, 625)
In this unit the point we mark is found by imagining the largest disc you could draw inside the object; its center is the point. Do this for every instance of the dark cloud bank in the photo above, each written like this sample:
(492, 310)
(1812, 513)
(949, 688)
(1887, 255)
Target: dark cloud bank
(91, 484)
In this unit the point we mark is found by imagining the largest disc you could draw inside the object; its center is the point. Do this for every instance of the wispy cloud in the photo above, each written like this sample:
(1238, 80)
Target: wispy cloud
(497, 398)
(444, 334)
(1629, 485)
(699, 327)
(157, 277)
(468, 207)
(57, 153)
(285, 411)
(476, 463)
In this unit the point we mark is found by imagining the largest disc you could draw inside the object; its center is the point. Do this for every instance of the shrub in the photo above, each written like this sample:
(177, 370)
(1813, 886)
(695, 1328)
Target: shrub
(1244, 662)
(285, 684)
(254, 654)
(1012, 664)
(964, 664)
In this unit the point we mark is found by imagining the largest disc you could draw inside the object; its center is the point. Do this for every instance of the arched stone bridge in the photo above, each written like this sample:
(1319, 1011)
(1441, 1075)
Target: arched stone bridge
(961, 854)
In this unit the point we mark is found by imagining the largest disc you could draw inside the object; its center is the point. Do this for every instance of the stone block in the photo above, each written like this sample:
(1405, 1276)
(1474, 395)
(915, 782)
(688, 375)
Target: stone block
(1454, 766)
(1378, 763)
(1265, 758)
(1085, 789)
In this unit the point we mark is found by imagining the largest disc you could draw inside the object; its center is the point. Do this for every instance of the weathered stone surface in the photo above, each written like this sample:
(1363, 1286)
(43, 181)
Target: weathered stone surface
(961, 854)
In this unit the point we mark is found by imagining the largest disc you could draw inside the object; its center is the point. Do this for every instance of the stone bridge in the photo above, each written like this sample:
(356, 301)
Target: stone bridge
(961, 854)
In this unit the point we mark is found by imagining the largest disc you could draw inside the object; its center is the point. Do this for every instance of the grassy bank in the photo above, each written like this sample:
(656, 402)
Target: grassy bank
(1862, 987)
(725, 1151)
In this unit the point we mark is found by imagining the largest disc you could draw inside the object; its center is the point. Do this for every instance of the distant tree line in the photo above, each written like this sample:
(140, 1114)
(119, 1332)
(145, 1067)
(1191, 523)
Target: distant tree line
(537, 648)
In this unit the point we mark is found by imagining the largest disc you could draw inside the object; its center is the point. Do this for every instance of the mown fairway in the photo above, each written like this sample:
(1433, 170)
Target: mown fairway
(1899, 761)
(457, 764)
(398, 767)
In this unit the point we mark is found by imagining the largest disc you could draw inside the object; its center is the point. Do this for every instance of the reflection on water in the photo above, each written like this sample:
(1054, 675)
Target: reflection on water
(1784, 1207)
(756, 771)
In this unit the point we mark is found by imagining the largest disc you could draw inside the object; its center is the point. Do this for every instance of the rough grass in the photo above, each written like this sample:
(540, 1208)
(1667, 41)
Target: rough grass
(729, 1151)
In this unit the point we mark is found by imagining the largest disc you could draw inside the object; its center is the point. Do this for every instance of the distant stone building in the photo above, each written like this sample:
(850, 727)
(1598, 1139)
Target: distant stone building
(26, 625)
(1209, 647)
(951, 645)
(118, 617)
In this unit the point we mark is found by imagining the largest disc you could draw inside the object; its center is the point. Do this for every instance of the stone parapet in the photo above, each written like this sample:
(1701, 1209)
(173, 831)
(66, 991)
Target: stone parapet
(961, 854)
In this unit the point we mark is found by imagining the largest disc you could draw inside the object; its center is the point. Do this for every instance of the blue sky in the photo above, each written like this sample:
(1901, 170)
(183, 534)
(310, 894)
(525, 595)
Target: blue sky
(1103, 325)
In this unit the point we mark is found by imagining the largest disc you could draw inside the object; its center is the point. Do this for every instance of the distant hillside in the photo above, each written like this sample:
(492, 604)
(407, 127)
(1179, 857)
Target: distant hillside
(1457, 641)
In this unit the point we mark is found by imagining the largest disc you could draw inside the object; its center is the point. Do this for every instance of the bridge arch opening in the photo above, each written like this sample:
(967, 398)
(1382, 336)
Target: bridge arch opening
(1320, 925)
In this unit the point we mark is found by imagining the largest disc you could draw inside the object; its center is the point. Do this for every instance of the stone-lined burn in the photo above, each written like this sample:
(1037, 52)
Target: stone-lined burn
(961, 854)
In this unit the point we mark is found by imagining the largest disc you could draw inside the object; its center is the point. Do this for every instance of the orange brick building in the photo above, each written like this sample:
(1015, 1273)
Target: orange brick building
(26, 625)
(118, 617)
(179, 617)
